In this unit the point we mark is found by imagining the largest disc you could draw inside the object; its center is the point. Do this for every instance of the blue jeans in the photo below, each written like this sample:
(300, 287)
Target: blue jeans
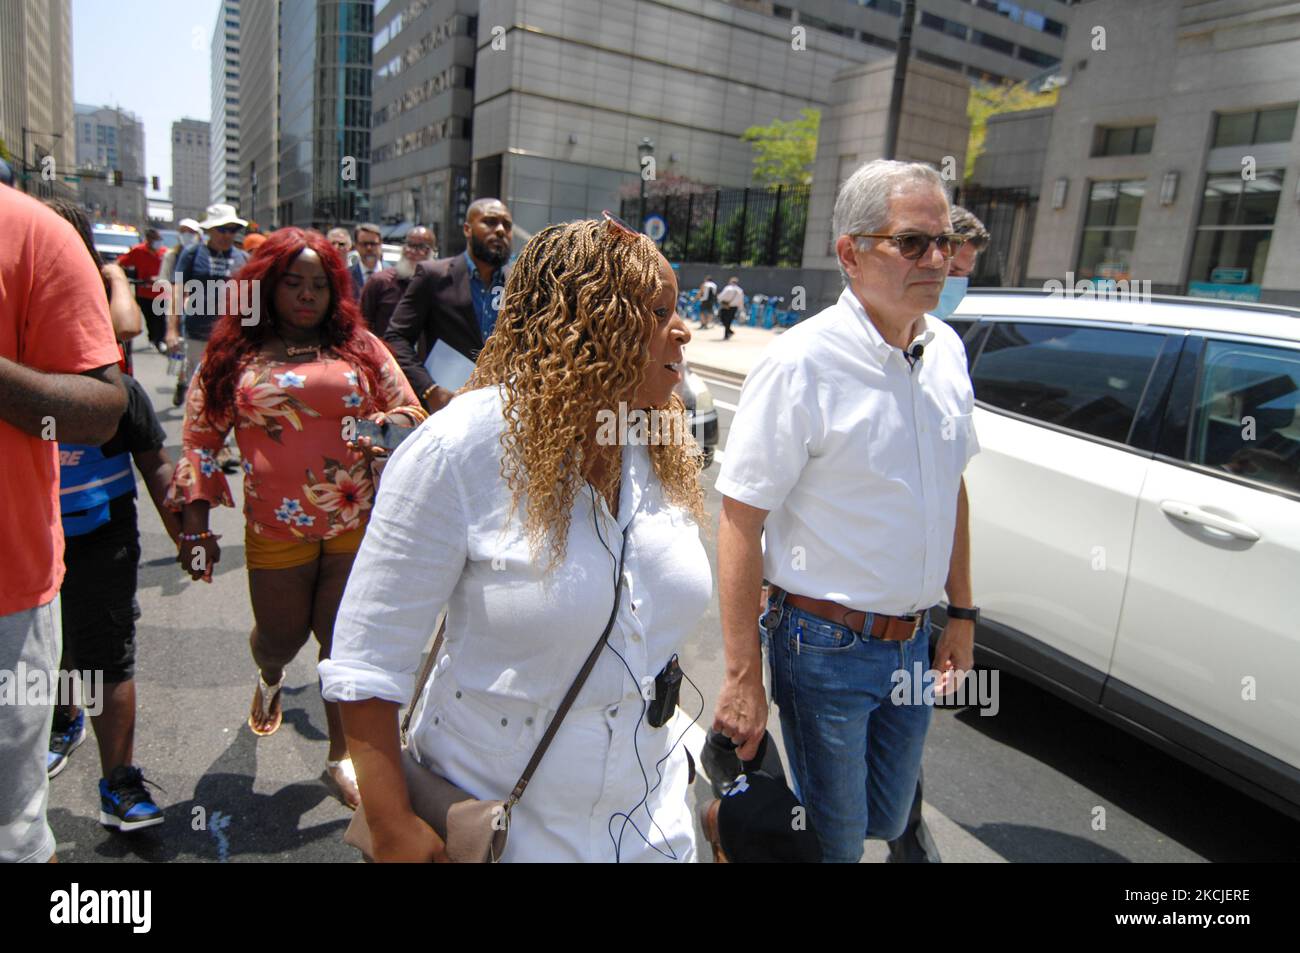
(854, 753)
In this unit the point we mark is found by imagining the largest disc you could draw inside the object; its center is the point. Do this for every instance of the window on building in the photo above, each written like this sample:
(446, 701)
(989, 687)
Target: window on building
(1018, 14)
(1036, 58)
(785, 13)
(1250, 128)
(991, 42)
(944, 25)
(883, 42)
(1122, 140)
(892, 7)
(1235, 229)
(818, 23)
(1109, 229)
(926, 57)
(984, 76)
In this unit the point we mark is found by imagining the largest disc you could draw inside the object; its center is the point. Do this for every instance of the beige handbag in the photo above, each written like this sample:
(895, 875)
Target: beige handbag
(475, 831)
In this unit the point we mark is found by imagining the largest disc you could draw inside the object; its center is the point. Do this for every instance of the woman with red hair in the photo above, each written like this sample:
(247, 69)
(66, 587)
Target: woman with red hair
(290, 368)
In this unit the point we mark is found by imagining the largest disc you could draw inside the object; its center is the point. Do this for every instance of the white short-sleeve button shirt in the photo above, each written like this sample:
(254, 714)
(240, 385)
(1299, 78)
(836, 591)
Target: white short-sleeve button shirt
(858, 456)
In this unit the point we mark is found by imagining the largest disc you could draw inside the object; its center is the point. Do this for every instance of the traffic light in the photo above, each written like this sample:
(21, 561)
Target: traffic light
(154, 186)
(117, 176)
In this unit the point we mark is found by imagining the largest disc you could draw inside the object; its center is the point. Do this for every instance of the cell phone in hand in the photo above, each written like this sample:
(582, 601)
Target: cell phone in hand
(388, 436)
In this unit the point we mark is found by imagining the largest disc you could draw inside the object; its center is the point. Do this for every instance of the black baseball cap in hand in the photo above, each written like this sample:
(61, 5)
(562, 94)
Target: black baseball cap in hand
(759, 818)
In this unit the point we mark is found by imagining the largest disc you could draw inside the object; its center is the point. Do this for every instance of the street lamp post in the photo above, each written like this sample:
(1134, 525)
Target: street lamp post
(645, 149)
(23, 171)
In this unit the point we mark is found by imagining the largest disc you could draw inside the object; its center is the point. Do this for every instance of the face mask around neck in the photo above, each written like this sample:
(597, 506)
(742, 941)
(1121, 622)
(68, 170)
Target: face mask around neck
(954, 289)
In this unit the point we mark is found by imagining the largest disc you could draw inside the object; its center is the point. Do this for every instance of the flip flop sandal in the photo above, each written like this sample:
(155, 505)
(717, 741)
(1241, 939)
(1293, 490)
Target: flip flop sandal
(267, 695)
(345, 768)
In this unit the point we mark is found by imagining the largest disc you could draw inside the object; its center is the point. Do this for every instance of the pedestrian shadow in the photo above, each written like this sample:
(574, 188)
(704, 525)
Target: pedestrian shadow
(225, 820)
(299, 718)
(1027, 844)
(166, 575)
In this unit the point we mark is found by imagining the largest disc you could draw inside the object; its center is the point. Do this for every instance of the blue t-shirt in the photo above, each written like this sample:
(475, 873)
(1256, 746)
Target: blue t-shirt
(201, 263)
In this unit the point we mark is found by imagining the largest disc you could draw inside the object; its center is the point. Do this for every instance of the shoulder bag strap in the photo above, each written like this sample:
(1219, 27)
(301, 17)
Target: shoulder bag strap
(425, 671)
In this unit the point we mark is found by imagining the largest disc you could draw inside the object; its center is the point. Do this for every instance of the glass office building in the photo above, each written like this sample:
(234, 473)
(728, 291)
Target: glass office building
(324, 112)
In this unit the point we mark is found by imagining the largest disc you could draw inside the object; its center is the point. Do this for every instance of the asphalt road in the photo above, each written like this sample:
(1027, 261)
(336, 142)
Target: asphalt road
(1020, 786)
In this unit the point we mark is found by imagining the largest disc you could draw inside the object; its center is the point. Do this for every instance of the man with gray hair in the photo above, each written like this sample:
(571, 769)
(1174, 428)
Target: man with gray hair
(842, 486)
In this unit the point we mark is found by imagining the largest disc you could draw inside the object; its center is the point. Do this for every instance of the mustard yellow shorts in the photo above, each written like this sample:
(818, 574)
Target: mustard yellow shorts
(263, 553)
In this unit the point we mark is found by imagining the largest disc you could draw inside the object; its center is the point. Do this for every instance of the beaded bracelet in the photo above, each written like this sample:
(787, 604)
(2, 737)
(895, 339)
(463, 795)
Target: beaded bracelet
(195, 537)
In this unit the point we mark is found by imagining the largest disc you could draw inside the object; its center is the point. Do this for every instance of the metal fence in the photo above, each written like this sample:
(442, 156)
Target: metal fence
(1008, 214)
(761, 226)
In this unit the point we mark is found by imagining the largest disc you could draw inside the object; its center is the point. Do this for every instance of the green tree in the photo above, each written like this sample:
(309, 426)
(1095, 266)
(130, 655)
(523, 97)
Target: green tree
(784, 150)
(986, 101)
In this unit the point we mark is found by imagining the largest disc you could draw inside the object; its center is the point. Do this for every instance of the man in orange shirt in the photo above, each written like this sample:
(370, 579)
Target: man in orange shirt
(58, 381)
(146, 259)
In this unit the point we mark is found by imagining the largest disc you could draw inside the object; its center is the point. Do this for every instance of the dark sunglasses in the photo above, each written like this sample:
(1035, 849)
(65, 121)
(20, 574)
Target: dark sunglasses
(912, 245)
(618, 224)
(227, 229)
(416, 246)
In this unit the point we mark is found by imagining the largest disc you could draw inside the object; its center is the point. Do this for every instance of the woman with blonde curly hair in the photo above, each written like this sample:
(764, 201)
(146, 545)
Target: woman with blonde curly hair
(511, 506)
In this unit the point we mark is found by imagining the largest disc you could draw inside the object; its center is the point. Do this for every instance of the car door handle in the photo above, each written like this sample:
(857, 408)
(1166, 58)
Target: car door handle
(1189, 513)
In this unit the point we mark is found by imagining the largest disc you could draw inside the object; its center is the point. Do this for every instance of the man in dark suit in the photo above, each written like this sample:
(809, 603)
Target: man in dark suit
(453, 300)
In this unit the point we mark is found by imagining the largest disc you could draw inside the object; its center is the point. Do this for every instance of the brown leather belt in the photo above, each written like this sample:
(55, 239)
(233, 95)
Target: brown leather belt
(888, 628)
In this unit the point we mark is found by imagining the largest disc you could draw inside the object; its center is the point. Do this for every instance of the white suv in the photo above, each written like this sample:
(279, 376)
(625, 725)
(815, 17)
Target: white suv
(1135, 518)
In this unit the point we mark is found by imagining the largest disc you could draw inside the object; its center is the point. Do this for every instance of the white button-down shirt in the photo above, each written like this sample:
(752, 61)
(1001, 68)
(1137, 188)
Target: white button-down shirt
(858, 457)
(441, 532)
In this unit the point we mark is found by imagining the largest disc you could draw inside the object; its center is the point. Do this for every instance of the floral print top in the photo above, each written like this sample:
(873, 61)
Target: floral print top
(301, 482)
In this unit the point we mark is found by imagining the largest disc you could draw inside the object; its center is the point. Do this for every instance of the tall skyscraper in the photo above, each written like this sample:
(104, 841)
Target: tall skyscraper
(223, 149)
(190, 144)
(109, 142)
(259, 94)
(324, 112)
(36, 90)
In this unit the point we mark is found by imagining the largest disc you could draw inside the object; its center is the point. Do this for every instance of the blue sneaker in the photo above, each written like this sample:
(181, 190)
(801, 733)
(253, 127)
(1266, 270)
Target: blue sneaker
(64, 739)
(124, 803)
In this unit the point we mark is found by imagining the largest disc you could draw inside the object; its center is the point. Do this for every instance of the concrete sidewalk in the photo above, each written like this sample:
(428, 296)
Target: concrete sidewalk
(710, 355)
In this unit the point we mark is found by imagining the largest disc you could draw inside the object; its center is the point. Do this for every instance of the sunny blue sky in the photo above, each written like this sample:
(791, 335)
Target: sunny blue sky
(151, 57)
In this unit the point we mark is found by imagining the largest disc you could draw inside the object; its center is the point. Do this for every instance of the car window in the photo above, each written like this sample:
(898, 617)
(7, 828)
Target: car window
(1087, 379)
(1246, 420)
(962, 326)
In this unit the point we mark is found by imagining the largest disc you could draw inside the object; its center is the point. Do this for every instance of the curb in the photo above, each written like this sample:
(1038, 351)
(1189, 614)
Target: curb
(720, 373)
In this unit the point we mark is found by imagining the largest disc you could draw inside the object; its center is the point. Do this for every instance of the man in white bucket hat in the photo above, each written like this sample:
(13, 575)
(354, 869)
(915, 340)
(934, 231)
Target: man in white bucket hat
(216, 259)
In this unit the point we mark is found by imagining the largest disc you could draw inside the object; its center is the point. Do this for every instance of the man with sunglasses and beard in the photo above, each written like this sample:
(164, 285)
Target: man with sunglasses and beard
(453, 301)
(842, 487)
(385, 289)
